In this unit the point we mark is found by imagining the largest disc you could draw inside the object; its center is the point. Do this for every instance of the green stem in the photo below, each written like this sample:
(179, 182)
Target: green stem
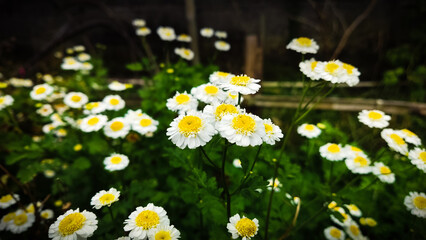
(239, 98)
(110, 212)
(246, 175)
(13, 120)
(150, 55)
(208, 159)
(225, 185)
(313, 106)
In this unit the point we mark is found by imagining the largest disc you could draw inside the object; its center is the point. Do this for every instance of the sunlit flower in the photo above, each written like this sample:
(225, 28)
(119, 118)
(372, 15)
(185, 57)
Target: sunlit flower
(8, 200)
(242, 84)
(332, 152)
(47, 214)
(374, 118)
(113, 102)
(220, 77)
(117, 128)
(346, 219)
(221, 34)
(61, 132)
(45, 110)
(123, 238)
(216, 111)
(48, 173)
(273, 132)
(93, 123)
(410, 137)
(133, 115)
(83, 57)
(75, 99)
(307, 67)
(138, 22)
(185, 53)
(383, 172)
(418, 158)
(184, 38)
(358, 163)
(242, 227)
(56, 120)
(70, 63)
(352, 229)
(94, 107)
(143, 31)
(352, 151)
(276, 185)
(395, 140)
(77, 147)
(41, 91)
(144, 220)
(144, 124)
(352, 74)
(354, 210)
(222, 46)
(303, 45)
(6, 220)
(368, 221)
(163, 231)
(105, 198)
(237, 163)
(21, 222)
(47, 128)
(5, 101)
(232, 98)
(86, 66)
(333, 233)
(166, 33)
(416, 203)
(74, 225)
(207, 32)
(208, 93)
(79, 48)
(191, 130)
(19, 82)
(116, 86)
(182, 102)
(331, 71)
(243, 129)
(116, 162)
(309, 130)
(60, 107)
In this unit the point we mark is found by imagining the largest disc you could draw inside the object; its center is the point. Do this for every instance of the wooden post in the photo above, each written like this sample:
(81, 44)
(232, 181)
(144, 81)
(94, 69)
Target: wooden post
(253, 65)
(192, 26)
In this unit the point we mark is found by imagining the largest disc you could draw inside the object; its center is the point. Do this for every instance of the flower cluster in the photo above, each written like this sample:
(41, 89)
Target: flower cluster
(78, 59)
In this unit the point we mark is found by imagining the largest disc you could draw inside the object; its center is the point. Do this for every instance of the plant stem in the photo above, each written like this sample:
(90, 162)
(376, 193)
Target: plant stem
(246, 175)
(110, 212)
(150, 55)
(208, 159)
(225, 185)
(239, 98)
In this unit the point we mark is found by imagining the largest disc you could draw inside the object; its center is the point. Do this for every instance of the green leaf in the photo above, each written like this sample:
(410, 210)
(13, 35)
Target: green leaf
(81, 163)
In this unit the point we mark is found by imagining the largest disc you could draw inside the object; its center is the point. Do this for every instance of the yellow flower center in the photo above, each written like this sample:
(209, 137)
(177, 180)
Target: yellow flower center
(409, 133)
(370, 222)
(334, 232)
(186, 52)
(420, 202)
(143, 28)
(211, 90)
(223, 44)
(107, 198)
(21, 219)
(246, 227)
(332, 205)
(78, 147)
(374, 115)
(313, 65)
(244, 124)
(331, 67)
(116, 126)
(76, 98)
(93, 121)
(422, 156)
(40, 90)
(116, 160)
(268, 128)
(30, 209)
(182, 99)
(222, 74)
(353, 207)
(333, 148)
(114, 101)
(354, 229)
(240, 80)
(224, 109)
(45, 215)
(145, 122)
(397, 139)
(147, 219)
(355, 149)
(349, 68)
(190, 125)
(71, 223)
(1, 100)
(6, 198)
(163, 235)
(306, 42)
(309, 127)
(361, 161)
(9, 217)
(385, 170)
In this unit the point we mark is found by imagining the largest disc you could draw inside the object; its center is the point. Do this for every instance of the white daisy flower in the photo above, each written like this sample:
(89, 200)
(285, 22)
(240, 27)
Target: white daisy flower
(354, 210)
(47, 214)
(105, 198)
(352, 151)
(117, 128)
(383, 172)
(418, 158)
(163, 231)
(6, 220)
(307, 67)
(218, 77)
(116, 162)
(94, 107)
(86, 66)
(208, 93)
(416, 204)
(182, 102)
(368, 221)
(47, 128)
(358, 163)
(21, 222)
(241, 84)
(185, 53)
(45, 110)
(49, 173)
(70, 63)
(332, 152)
(75, 99)
(346, 219)
(309, 130)
(60, 108)
(83, 57)
(273, 132)
(191, 130)
(276, 186)
(19, 82)
(56, 120)
(73, 224)
(331, 71)
(184, 38)
(352, 74)
(79, 48)
(221, 34)
(303, 45)
(143, 31)
(144, 220)
(232, 98)
(395, 140)
(333, 233)
(207, 32)
(410, 137)
(215, 112)
(93, 123)
(133, 115)
(61, 132)
(113, 102)
(352, 229)
(8, 200)
(123, 238)
(138, 22)
(237, 163)
(242, 227)
(243, 129)
(222, 46)
(116, 86)
(6, 101)
(41, 91)
(166, 33)
(144, 124)
(374, 118)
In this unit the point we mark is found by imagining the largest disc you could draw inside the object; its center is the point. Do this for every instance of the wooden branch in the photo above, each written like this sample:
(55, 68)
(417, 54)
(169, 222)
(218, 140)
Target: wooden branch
(192, 26)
